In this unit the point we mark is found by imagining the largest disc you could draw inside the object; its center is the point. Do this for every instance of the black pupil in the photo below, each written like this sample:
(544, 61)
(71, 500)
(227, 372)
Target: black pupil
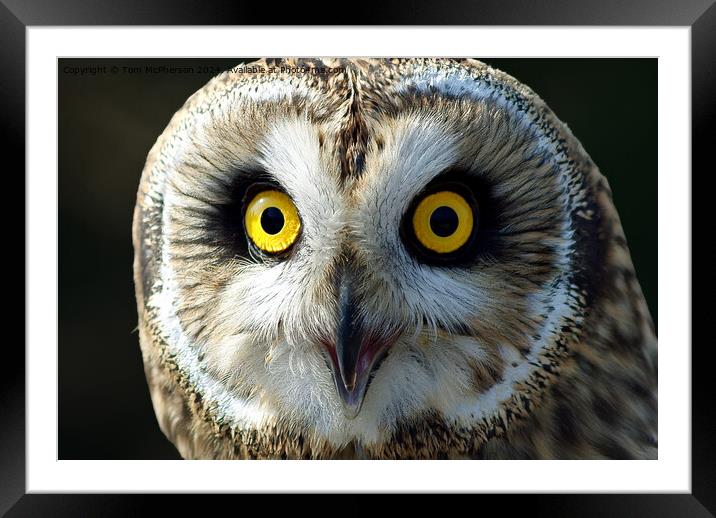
(443, 221)
(272, 220)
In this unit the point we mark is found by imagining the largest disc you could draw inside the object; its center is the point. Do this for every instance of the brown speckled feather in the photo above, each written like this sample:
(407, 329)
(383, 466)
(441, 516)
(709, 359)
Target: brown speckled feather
(585, 390)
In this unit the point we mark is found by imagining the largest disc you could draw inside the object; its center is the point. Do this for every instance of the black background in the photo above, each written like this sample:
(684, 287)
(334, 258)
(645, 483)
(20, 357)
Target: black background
(109, 121)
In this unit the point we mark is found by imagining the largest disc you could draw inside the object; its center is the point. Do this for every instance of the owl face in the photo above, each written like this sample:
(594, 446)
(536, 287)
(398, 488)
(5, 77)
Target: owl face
(350, 254)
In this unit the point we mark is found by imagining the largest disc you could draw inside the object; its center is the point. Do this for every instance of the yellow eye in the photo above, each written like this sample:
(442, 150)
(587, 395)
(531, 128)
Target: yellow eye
(271, 221)
(443, 222)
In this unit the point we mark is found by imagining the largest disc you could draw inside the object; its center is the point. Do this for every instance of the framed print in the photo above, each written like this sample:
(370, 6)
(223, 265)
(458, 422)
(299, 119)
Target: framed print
(146, 90)
(426, 250)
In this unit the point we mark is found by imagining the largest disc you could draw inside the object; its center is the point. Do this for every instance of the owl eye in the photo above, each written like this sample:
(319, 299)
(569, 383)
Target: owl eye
(271, 221)
(443, 222)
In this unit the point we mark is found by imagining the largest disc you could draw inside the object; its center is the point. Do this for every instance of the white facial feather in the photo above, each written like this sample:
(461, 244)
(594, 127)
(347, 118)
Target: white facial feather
(267, 366)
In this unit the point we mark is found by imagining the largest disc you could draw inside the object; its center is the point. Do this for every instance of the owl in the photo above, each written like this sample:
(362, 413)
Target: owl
(386, 259)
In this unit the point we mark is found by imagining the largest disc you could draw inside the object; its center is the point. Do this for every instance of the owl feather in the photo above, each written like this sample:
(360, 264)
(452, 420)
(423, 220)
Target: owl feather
(532, 340)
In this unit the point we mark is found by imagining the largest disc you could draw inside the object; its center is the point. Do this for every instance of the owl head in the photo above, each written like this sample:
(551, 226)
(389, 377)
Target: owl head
(383, 255)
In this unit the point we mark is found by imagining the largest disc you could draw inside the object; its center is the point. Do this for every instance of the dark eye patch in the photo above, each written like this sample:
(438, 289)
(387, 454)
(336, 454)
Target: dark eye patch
(479, 193)
(223, 228)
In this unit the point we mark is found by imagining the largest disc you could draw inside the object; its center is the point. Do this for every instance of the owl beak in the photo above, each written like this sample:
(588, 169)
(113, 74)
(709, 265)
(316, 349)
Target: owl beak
(356, 352)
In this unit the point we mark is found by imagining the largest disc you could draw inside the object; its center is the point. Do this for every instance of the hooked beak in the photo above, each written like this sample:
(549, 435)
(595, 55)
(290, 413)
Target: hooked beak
(356, 351)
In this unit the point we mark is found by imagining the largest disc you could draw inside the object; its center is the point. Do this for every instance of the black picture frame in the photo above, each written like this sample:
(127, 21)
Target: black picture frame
(16, 16)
